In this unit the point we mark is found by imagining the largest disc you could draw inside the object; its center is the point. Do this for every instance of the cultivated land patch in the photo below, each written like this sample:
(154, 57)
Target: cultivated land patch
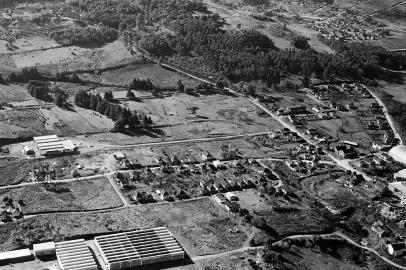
(74, 196)
(188, 221)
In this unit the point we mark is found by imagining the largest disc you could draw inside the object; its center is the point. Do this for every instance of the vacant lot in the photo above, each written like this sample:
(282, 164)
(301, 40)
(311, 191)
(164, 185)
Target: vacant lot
(21, 123)
(200, 226)
(13, 92)
(338, 258)
(75, 196)
(10, 175)
(76, 121)
(346, 128)
(296, 222)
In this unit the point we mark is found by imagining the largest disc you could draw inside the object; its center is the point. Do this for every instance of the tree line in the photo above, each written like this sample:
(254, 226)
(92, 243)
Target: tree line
(123, 117)
(85, 36)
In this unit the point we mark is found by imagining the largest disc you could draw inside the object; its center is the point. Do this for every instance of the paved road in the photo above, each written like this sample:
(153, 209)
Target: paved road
(218, 255)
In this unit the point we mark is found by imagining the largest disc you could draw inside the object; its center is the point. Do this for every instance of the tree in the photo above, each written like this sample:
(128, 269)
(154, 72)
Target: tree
(181, 87)
(130, 94)
(60, 96)
(306, 82)
(134, 121)
(108, 95)
(2, 80)
(301, 43)
(84, 100)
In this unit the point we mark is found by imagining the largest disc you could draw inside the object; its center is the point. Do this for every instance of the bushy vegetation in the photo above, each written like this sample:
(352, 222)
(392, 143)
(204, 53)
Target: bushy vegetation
(85, 36)
(123, 118)
(396, 109)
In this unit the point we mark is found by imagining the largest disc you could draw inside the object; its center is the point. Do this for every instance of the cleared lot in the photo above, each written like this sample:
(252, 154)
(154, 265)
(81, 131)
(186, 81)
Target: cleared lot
(188, 221)
(75, 196)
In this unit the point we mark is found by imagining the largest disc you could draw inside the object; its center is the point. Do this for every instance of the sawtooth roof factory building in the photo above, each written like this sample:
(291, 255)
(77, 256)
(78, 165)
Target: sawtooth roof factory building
(52, 145)
(137, 248)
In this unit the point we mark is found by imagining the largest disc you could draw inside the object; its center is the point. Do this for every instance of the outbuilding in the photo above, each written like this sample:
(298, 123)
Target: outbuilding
(44, 249)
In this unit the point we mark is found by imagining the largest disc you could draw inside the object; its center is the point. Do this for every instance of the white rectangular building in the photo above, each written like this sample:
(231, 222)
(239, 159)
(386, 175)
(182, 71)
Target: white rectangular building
(75, 255)
(15, 255)
(52, 145)
(44, 249)
(138, 248)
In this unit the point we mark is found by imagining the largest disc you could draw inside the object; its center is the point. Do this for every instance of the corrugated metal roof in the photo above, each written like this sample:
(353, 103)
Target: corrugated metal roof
(75, 255)
(139, 247)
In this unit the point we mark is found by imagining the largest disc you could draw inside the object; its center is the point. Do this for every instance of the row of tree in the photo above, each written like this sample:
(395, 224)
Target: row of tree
(123, 117)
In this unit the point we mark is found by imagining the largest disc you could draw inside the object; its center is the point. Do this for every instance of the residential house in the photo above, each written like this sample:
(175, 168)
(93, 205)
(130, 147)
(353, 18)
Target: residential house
(345, 151)
(396, 249)
(207, 156)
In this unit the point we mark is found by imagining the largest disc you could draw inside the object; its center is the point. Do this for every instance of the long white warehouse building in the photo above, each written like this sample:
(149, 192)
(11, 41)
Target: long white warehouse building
(137, 248)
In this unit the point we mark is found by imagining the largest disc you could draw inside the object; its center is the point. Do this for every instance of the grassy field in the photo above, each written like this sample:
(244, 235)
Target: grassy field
(53, 59)
(188, 221)
(301, 258)
(22, 123)
(296, 222)
(9, 174)
(13, 92)
(217, 114)
(158, 76)
(75, 196)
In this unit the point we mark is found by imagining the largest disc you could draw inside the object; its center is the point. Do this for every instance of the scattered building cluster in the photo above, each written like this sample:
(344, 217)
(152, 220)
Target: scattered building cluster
(347, 28)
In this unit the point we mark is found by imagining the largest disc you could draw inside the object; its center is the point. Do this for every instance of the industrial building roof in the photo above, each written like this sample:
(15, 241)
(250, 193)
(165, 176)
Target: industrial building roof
(75, 255)
(142, 246)
(15, 254)
(51, 143)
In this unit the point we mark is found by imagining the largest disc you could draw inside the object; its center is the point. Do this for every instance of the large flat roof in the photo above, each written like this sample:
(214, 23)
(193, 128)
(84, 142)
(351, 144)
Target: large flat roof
(75, 255)
(15, 254)
(139, 247)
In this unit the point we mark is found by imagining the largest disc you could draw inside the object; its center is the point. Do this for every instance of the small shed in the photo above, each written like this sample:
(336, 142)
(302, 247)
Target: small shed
(44, 249)
(119, 155)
